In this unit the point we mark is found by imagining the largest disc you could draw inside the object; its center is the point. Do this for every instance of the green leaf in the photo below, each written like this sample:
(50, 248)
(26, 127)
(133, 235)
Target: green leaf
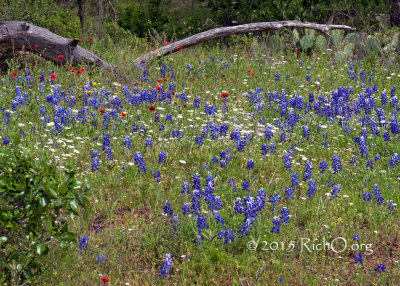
(42, 249)
(42, 202)
(73, 204)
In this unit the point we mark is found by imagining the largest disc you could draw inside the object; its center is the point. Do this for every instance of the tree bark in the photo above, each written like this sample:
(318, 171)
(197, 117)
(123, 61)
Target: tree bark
(234, 30)
(80, 14)
(18, 36)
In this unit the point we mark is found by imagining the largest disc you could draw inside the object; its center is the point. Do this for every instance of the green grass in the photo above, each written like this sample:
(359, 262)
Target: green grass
(128, 206)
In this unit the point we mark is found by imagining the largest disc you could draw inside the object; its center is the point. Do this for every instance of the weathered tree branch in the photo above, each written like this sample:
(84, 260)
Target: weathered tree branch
(17, 36)
(234, 30)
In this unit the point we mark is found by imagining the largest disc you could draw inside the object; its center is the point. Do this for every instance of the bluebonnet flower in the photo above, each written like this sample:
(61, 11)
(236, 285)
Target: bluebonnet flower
(83, 241)
(148, 142)
(272, 148)
(312, 188)
(370, 164)
(196, 182)
(285, 215)
(295, 179)
(201, 224)
(392, 206)
(288, 163)
(264, 149)
(228, 235)
(268, 135)
(100, 258)
(336, 164)
(394, 161)
(377, 195)
(306, 132)
(367, 196)
(246, 186)
(6, 141)
(325, 144)
(308, 171)
(157, 176)
(166, 266)
(358, 258)
(335, 191)
(283, 137)
(323, 166)
(356, 238)
(95, 161)
(386, 136)
(273, 200)
(176, 133)
(196, 103)
(380, 268)
(289, 193)
(281, 280)
(199, 141)
(162, 157)
(276, 225)
(185, 188)
(139, 161)
(168, 209)
(127, 142)
(250, 164)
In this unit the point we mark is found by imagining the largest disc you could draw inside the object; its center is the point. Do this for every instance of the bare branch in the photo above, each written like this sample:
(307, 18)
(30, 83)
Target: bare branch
(234, 30)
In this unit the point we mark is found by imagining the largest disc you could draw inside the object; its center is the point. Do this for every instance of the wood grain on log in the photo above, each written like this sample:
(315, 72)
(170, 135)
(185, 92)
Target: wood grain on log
(18, 36)
(234, 30)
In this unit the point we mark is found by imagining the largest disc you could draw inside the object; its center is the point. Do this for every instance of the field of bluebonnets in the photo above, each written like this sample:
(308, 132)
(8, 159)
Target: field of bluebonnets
(219, 166)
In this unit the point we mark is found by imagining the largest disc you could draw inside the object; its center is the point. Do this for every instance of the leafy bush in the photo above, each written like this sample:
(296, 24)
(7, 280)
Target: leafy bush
(35, 202)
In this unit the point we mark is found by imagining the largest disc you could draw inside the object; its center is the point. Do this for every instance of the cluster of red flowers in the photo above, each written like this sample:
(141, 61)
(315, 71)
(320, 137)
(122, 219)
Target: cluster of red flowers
(179, 48)
(159, 88)
(14, 74)
(224, 95)
(78, 71)
(105, 279)
(251, 72)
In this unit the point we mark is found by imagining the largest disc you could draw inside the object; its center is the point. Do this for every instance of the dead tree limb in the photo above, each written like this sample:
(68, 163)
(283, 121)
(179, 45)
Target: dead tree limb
(234, 30)
(18, 36)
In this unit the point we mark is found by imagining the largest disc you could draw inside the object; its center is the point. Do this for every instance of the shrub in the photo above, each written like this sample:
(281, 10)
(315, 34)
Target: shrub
(35, 202)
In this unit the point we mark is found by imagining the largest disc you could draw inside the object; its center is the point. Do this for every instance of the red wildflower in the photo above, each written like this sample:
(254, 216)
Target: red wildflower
(79, 71)
(90, 39)
(179, 48)
(166, 42)
(60, 57)
(158, 88)
(159, 80)
(153, 49)
(14, 74)
(36, 46)
(102, 111)
(298, 53)
(105, 279)
(318, 89)
(152, 108)
(165, 79)
(173, 92)
(224, 95)
(53, 76)
(136, 83)
(252, 74)
(72, 70)
(149, 43)
(249, 70)
(123, 114)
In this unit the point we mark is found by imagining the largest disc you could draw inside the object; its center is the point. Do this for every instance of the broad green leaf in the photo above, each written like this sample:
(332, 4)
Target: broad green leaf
(42, 249)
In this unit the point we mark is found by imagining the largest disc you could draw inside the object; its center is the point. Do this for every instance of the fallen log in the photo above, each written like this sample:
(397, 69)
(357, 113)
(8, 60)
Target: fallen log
(18, 36)
(234, 30)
